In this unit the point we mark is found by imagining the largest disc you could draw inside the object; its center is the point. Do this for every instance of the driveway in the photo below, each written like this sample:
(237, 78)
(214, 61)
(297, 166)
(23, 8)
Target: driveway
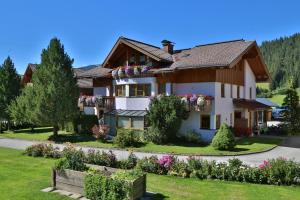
(290, 149)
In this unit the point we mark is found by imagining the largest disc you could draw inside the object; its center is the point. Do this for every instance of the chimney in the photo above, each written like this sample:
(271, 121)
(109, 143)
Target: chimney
(168, 46)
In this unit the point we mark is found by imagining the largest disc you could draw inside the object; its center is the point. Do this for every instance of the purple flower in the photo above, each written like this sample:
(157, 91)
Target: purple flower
(129, 70)
(193, 98)
(145, 69)
(166, 161)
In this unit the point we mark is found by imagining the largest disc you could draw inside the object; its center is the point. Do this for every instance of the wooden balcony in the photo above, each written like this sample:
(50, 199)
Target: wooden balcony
(105, 103)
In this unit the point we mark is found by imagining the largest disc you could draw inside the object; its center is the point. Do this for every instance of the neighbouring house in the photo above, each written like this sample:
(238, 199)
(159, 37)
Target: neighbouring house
(84, 83)
(218, 82)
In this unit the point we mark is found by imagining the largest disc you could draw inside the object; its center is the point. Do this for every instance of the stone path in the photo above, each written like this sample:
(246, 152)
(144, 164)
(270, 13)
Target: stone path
(290, 149)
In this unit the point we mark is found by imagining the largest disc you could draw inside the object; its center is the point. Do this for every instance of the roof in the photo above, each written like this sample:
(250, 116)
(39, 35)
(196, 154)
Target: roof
(156, 51)
(267, 102)
(95, 72)
(221, 54)
(249, 104)
(85, 83)
(80, 70)
(150, 50)
(128, 113)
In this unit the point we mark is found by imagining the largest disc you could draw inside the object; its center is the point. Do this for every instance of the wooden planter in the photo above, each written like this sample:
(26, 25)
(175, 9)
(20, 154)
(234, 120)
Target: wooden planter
(73, 181)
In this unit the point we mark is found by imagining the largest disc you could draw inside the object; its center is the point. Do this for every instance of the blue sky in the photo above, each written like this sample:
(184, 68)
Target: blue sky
(89, 28)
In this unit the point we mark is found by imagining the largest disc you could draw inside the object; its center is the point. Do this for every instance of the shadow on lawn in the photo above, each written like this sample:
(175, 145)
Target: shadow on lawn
(72, 138)
(34, 131)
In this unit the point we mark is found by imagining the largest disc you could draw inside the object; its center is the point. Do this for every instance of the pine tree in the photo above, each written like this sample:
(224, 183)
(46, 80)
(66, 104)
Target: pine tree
(292, 114)
(52, 99)
(10, 84)
(55, 87)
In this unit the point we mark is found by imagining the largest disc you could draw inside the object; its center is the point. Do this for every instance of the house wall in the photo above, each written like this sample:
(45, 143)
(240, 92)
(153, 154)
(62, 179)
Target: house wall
(250, 81)
(135, 103)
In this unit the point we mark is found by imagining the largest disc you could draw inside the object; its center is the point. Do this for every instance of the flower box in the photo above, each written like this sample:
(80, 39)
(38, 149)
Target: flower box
(73, 181)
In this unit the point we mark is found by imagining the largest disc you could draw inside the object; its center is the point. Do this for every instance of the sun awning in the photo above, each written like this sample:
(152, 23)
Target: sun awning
(128, 113)
(249, 104)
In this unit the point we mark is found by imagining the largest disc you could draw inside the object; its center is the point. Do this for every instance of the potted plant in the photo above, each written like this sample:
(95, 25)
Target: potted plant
(137, 71)
(129, 71)
(120, 72)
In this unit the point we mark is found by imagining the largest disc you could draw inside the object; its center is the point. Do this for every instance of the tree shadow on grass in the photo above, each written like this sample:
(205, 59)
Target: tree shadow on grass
(35, 131)
(72, 138)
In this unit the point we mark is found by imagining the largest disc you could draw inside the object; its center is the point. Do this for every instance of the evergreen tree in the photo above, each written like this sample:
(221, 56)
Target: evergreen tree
(21, 110)
(55, 87)
(10, 84)
(52, 100)
(292, 114)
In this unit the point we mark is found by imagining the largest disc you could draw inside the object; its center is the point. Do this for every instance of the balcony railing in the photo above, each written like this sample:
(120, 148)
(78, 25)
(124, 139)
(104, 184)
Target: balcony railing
(100, 102)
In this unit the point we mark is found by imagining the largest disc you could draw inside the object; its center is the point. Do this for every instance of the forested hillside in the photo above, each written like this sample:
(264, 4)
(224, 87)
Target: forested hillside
(282, 57)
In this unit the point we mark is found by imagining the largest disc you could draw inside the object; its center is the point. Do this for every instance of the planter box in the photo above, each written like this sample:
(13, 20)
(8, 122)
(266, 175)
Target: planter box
(73, 181)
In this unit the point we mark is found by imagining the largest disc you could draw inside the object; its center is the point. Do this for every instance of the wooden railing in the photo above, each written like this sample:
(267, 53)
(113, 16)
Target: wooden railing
(101, 103)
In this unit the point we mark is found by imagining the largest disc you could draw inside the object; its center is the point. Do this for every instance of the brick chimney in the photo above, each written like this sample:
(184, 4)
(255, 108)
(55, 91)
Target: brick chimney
(167, 46)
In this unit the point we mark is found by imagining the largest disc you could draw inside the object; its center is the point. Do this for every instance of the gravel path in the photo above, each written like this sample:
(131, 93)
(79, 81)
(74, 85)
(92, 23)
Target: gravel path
(290, 149)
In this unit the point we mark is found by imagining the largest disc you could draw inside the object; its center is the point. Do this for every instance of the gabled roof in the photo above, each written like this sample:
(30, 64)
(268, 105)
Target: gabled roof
(152, 51)
(267, 102)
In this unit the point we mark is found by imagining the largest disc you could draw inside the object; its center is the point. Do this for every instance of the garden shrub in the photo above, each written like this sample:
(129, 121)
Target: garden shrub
(101, 158)
(127, 138)
(100, 187)
(193, 137)
(164, 117)
(128, 163)
(73, 159)
(150, 165)
(180, 168)
(224, 139)
(43, 150)
(87, 122)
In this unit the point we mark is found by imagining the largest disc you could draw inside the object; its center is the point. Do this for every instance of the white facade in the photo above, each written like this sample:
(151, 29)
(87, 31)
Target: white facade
(222, 106)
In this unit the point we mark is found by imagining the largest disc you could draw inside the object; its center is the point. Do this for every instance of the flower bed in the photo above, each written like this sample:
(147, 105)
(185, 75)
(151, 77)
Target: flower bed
(87, 183)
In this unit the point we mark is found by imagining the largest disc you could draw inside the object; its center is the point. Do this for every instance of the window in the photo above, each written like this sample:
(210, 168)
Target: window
(238, 115)
(231, 91)
(218, 121)
(130, 122)
(161, 88)
(238, 92)
(250, 93)
(137, 122)
(205, 122)
(142, 59)
(142, 90)
(222, 90)
(123, 122)
(120, 90)
(231, 119)
(132, 60)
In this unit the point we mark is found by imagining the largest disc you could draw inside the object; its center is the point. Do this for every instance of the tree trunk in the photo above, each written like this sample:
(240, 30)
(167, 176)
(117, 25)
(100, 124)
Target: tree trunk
(1, 131)
(8, 125)
(55, 130)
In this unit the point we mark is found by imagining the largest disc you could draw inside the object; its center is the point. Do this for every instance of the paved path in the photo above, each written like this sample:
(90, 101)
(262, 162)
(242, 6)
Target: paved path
(290, 149)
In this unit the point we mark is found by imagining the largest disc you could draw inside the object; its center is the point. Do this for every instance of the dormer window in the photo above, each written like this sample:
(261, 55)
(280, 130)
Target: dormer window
(142, 60)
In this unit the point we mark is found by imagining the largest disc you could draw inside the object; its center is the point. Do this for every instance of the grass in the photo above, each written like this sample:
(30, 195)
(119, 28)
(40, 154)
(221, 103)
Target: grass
(244, 146)
(23, 177)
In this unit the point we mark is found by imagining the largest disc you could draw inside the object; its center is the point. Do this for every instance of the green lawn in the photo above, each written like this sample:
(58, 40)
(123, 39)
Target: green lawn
(23, 177)
(245, 145)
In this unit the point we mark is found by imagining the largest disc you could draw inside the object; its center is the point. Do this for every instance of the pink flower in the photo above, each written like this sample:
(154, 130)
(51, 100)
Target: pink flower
(166, 161)
(265, 164)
